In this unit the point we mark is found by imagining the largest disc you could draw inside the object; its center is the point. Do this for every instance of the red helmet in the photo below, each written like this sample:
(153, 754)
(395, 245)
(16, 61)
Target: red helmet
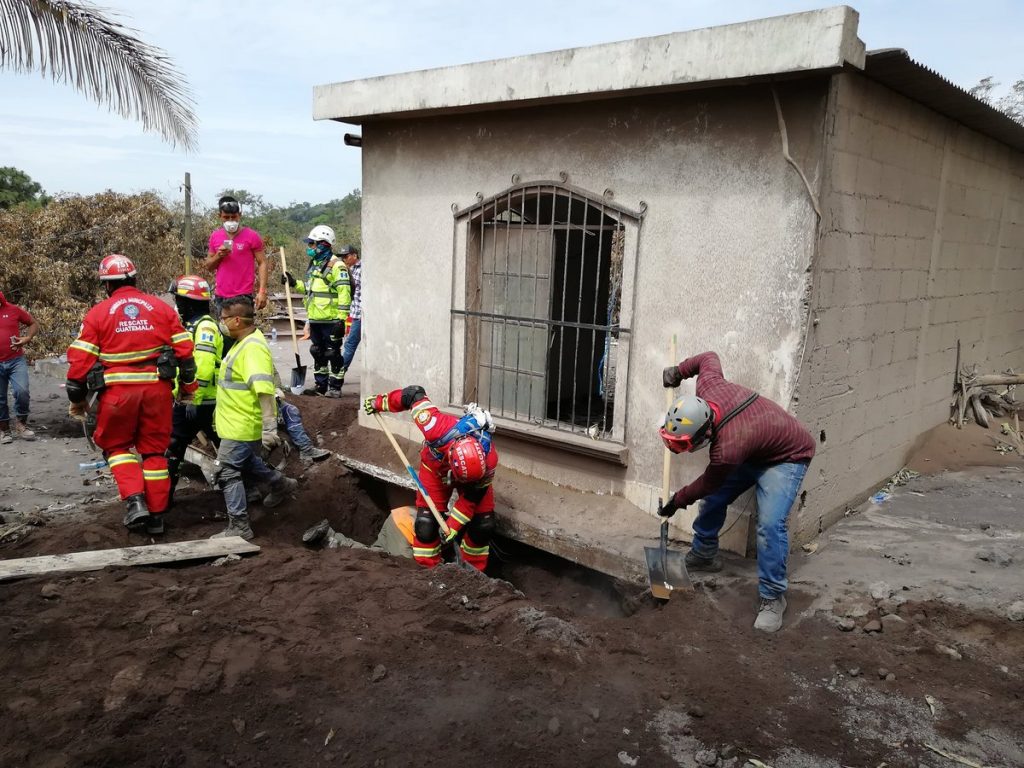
(192, 287)
(468, 460)
(116, 267)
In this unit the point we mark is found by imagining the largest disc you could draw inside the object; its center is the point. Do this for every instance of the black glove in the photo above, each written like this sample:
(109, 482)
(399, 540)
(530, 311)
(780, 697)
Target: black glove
(191, 411)
(287, 279)
(671, 377)
(669, 508)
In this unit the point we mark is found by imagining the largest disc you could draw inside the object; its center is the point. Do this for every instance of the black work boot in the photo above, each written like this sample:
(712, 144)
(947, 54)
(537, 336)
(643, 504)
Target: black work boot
(136, 513)
(695, 562)
(155, 525)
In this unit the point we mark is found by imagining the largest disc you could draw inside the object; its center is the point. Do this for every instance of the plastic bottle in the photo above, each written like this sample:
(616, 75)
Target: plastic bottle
(273, 333)
(91, 466)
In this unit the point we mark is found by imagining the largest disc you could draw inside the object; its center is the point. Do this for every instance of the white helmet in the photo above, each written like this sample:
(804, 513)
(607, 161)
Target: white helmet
(321, 232)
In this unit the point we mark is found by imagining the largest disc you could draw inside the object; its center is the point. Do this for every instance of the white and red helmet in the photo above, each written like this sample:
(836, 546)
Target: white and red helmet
(467, 459)
(192, 287)
(116, 267)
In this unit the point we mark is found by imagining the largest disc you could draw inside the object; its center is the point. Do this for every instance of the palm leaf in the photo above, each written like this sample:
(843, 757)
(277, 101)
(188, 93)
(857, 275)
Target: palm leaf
(79, 43)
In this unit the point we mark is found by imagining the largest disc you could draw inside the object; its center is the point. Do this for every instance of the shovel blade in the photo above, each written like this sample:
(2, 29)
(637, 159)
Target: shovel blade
(666, 571)
(298, 378)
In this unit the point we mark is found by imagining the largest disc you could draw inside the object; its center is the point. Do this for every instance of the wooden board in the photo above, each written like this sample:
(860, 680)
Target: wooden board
(151, 554)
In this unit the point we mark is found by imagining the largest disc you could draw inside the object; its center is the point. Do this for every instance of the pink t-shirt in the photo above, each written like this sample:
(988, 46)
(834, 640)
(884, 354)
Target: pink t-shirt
(236, 274)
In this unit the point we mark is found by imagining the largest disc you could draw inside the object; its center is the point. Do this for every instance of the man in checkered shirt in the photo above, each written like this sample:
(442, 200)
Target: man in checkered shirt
(354, 325)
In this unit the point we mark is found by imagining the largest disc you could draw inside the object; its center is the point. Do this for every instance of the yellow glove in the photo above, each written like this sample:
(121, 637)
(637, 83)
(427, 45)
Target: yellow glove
(77, 411)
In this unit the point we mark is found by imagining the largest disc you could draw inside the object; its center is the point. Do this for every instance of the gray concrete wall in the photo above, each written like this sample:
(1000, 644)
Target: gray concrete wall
(922, 244)
(721, 258)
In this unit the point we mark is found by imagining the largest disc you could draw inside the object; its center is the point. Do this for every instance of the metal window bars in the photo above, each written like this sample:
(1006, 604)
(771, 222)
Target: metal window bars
(543, 273)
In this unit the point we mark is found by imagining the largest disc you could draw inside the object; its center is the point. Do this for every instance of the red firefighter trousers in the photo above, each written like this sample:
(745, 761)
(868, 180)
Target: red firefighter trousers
(139, 416)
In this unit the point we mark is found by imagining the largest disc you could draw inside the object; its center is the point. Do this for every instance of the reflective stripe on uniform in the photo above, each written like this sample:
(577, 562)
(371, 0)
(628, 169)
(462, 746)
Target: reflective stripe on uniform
(206, 348)
(137, 356)
(122, 458)
(155, 474)
(426, 551)
(130, 378)
(460, 517)
(321, 295)
(180, 337)
(85, 346)
(484, 550)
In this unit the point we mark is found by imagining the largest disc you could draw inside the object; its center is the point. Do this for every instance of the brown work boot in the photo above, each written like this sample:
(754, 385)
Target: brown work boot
(238, 525)
(22, 432)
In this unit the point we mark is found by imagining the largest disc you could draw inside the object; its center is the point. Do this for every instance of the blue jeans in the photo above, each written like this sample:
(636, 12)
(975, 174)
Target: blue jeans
(348, 352)
(14, 371)
(235, 460)
(288, 417)
(777, 487)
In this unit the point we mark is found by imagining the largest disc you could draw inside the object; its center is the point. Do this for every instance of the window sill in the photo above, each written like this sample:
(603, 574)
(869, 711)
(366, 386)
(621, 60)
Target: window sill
(614, 453)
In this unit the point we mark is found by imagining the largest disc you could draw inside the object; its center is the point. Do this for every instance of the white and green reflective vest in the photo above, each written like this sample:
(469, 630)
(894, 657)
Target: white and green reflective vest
(208, 350)
(246, 372)
(328, 290)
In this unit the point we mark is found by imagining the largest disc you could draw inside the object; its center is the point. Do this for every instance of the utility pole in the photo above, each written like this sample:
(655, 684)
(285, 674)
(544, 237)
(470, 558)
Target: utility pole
(188, 223)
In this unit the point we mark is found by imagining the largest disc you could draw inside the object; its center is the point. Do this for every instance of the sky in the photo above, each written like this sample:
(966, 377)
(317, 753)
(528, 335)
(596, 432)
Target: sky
(252, 64)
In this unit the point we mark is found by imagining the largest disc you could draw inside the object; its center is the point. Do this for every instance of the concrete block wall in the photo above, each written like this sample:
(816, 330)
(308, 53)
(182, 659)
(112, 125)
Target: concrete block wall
(921, 244)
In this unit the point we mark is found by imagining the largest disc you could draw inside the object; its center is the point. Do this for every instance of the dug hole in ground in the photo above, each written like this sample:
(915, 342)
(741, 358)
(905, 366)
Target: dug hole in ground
(902, 644)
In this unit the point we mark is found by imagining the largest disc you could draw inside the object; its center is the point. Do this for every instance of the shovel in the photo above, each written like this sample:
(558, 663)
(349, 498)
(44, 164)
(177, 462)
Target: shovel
(442, 524)
(666, 570)
(298, 384)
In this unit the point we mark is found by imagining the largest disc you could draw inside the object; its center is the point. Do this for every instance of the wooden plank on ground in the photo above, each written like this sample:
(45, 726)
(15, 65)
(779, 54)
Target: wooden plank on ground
(151, 554)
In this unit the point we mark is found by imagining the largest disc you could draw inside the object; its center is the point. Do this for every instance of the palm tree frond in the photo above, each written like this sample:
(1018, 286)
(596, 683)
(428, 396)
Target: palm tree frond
(78, 43)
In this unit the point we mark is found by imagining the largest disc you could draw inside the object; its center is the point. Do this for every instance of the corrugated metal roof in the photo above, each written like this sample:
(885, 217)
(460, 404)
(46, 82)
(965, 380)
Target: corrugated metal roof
(894, 68)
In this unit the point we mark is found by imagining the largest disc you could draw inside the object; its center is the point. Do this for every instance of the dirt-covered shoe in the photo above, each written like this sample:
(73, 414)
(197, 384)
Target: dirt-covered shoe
(136, 512)
(6, 438)
(22, 432)
(769, 614)
(279, 492)
(695, 562)
(312, 455)
(334, 393)
(315, 535)
(237, 526)
(155, 525)
(253, 495)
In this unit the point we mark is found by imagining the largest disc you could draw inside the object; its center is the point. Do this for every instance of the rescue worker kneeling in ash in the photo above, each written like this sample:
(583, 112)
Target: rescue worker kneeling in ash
(753, 441)
(246, 417)
(457, 454)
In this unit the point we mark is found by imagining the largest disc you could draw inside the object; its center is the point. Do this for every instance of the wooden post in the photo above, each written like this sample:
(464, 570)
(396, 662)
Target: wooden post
(188, 223)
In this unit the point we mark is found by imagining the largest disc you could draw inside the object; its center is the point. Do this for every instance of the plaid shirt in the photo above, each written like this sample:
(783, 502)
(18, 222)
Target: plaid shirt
(356, 273)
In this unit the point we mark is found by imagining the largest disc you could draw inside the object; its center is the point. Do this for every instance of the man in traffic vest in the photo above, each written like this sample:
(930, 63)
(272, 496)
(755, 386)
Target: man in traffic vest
(458, 455)
(246, 417)
(129, 351)
(192, 298)
(328, 299)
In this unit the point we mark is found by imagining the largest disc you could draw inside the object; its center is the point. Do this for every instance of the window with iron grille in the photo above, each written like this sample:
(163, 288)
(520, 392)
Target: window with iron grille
(541, 327)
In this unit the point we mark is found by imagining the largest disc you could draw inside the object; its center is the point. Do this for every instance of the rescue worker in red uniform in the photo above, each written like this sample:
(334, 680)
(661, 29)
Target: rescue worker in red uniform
(130, 348)
(458, 455)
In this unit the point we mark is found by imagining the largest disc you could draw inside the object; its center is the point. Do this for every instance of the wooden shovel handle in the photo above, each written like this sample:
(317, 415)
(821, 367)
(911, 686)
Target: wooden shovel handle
(412, 473)
(669, 397)
(288, 298)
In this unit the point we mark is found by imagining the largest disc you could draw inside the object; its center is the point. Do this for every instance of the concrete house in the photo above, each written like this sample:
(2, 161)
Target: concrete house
(538, 229)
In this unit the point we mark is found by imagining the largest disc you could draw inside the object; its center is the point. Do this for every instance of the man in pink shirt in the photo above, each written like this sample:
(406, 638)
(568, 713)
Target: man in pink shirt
(14, 369)
(237, 258)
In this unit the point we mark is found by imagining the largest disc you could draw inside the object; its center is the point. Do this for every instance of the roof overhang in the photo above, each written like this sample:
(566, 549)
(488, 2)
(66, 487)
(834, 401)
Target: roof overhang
(822, 40)
(893, 68)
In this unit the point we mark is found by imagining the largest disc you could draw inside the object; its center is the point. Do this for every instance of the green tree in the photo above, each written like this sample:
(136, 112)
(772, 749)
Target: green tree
(76, 42)
(18, 187)
(1010, 104)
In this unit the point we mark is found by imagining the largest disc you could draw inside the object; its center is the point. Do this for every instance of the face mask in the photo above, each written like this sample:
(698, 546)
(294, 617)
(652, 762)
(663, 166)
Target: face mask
(224, 328)
(231, 227)
(311, 252)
